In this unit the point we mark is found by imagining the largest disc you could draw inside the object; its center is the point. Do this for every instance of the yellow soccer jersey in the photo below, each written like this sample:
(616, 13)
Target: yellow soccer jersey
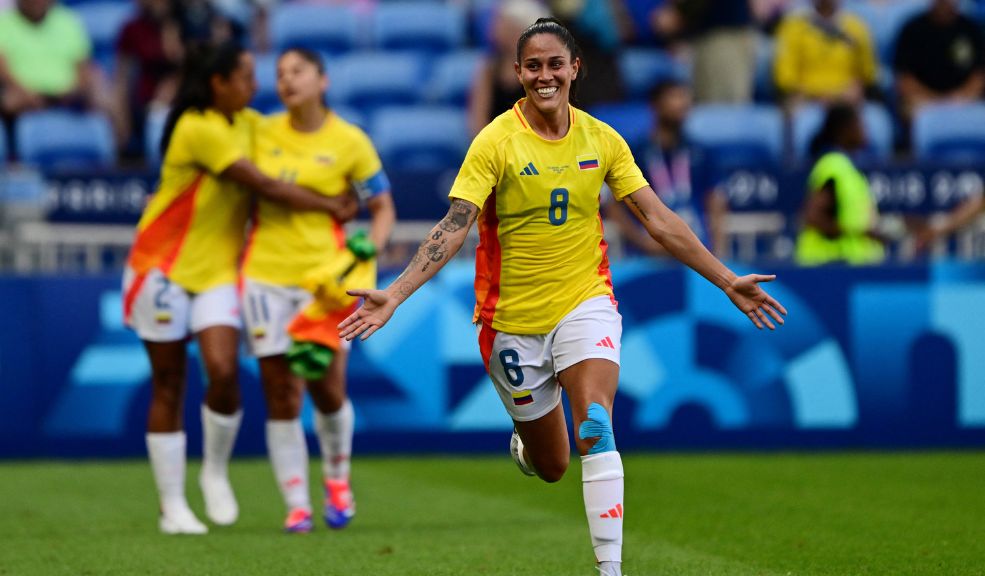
(284, 244)
(194, 224)
(541, 250)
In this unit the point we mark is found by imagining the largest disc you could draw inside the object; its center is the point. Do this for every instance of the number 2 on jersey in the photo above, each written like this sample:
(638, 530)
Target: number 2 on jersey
(558, 212)
(511, 365)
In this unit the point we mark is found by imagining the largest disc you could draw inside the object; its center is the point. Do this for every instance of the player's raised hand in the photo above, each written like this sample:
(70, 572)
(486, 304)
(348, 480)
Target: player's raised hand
(754, 302)
(377, 308)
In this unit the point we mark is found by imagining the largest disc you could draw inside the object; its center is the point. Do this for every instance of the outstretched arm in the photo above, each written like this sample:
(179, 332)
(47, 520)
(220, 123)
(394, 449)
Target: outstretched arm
(442, 243)
(342, 208)
(670, 231)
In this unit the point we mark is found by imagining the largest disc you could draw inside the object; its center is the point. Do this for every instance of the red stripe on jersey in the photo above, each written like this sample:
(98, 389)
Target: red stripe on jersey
(519, 115)
(488, 263)
(131, 295)
(604, 270)
(159, 244)
(487, 336)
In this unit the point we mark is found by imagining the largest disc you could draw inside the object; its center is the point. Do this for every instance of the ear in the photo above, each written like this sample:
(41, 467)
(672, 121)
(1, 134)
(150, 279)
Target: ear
(217, 83)
(516, 68)
(577, 66)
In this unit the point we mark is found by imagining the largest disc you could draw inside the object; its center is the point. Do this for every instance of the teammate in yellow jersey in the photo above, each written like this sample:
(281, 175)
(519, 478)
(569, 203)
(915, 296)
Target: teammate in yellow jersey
(544, 304)
(181, 274)
(313, 146)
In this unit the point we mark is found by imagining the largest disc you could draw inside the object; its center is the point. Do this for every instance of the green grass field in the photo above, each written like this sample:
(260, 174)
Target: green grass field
(839, 514)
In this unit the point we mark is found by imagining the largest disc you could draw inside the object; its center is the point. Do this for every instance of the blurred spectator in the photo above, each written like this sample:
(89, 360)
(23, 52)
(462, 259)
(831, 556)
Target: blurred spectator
(601, 27)
(824, 54)
(496, 87)
(840, 214)
(940, 55)
(200, 22)
(693, 194)
(45, 62)
(723, 35)
(149, 53)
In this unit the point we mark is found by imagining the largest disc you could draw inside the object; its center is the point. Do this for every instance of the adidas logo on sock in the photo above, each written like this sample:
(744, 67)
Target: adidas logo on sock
(606, 343)
(613, 512)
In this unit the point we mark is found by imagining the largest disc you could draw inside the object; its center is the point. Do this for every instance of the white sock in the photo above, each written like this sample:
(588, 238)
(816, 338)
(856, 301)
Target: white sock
(602, 485)
(167, 460)
(335, 438)
(218, 436)
(289, 458)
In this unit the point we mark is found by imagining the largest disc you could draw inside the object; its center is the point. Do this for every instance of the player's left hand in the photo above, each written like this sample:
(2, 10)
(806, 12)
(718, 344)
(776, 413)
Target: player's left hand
(754, 302)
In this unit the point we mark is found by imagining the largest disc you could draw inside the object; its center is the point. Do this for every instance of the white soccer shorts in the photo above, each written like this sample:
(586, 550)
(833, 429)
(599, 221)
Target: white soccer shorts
(161, 311)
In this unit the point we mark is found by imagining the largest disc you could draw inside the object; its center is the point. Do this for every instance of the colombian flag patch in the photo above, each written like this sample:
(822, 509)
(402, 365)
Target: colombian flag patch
(588, 161)
(523, 398)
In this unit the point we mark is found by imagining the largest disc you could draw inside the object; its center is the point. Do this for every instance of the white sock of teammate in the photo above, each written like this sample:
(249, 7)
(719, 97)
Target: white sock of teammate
(167, 459)
(335, 438)
(289, 458)
(218, 437)
(602, 485)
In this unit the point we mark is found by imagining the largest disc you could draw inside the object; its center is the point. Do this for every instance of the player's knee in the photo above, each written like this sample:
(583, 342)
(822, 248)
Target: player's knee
(169, 385)
(552, 469)
(223, 375)
(596, 430)
(283, 401)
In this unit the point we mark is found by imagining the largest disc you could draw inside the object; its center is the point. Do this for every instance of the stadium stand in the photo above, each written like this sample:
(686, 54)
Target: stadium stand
(429, 26)
(885, 20)
(153, 130)
(265, 100)
(63, 139)
(332, 29)
(950, 133)
(633, 121)
(878, 128)
(644, 68)
(420, 137)
(368, 80)
(737, 135)
(452, 76)
(104, 21)
(3, 145)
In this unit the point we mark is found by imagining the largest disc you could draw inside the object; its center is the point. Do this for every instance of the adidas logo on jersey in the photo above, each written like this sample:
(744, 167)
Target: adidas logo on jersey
(606, 343)
(529, 170)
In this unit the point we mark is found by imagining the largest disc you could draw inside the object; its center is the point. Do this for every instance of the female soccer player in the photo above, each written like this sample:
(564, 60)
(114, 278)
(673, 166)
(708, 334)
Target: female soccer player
(182, 270)
(545, 308)
(313, 146)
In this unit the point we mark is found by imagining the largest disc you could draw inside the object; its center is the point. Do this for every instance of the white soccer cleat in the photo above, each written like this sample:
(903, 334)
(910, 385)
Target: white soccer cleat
(181, 520)
(220, 502)
(516, 450)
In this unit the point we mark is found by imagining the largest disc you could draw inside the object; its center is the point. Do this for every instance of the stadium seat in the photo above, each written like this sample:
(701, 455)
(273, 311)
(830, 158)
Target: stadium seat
(369, 80)
(104, 21)
(878, 129)
(764, 88)
(420, 137)
(452, 77)
(885, 21)
(633, 121)
(642, 69)
(430, 26)
(63, 139)
(3, 144)
(265, 100)
(153, 130)
(950, 133)
(737, 136)
(352, 115)
(332, 29)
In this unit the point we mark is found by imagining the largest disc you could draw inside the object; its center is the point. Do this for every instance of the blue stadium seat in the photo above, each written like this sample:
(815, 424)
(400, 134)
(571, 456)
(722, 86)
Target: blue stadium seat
(950, 133)
(3, 144)
(452, 77)
(369, 80)
(430, 26)
(265, 100)
(764, 88)
(104, 21)
(643, 68)
(885, 20)
(632, 120)
(878, 129)
(420, 137)
(62, 139)
(737, 136)
(332, 29)
(352, 115)
(153, 130)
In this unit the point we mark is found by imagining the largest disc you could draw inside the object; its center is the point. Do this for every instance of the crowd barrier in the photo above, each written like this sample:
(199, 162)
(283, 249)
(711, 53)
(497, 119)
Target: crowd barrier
(881, 357)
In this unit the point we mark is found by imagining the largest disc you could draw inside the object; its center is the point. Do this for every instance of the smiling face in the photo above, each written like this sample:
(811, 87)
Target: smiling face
(299, 81)
(546, 70)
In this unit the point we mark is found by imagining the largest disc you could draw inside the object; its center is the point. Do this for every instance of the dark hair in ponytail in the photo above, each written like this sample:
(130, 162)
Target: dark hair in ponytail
(554, 27)
(201, 63)
(838, 119)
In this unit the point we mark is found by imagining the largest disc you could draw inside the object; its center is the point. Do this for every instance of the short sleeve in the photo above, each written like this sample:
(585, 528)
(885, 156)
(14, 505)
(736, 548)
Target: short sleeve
(622, 175)
(207, 142)
(480, 171)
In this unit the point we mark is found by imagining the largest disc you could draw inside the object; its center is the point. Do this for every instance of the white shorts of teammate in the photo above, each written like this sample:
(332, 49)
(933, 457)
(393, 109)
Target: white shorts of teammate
(267, 312)
(161, 311)
(524, 367)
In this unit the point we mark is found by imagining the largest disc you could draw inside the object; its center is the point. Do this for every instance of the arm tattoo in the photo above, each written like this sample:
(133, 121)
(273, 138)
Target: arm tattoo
(639, 208)
(459, 216)
(406, 289)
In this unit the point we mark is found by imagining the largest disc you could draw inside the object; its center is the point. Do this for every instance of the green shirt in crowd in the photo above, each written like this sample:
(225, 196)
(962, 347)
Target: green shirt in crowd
(43, 57)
